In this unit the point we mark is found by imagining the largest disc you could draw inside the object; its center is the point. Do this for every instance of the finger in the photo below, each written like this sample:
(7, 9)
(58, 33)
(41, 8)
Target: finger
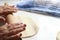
(9, 11)
(19, 25)
(3, 30)
(1, 17)
(17, 36)
(14, 39)
(15, 31)
(1, 10)
(23, 25)
(2, 21)
(15, 26)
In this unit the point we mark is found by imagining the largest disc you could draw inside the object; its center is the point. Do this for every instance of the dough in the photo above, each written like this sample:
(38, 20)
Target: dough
(31, 28)
(12, 19)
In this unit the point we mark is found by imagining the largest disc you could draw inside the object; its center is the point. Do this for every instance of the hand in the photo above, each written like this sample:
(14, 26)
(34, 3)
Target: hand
(6, 9)
(11, 31)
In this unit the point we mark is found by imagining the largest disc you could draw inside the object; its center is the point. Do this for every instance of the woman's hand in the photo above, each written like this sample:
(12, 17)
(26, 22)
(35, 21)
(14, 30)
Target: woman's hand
(11, 31)
(6, 9)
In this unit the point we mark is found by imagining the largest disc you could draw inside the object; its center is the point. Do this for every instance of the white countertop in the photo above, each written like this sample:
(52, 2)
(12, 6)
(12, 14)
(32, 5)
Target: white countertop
(48, 26)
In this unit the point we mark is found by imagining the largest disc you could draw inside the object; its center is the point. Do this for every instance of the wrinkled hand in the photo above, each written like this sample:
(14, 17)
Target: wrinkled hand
(11, 31)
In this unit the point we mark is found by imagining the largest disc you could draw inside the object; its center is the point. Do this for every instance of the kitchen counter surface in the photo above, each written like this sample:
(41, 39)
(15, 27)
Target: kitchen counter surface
(48, 26)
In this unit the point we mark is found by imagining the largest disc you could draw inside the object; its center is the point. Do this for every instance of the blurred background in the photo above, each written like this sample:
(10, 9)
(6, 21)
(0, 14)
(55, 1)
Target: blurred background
(48, 7)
